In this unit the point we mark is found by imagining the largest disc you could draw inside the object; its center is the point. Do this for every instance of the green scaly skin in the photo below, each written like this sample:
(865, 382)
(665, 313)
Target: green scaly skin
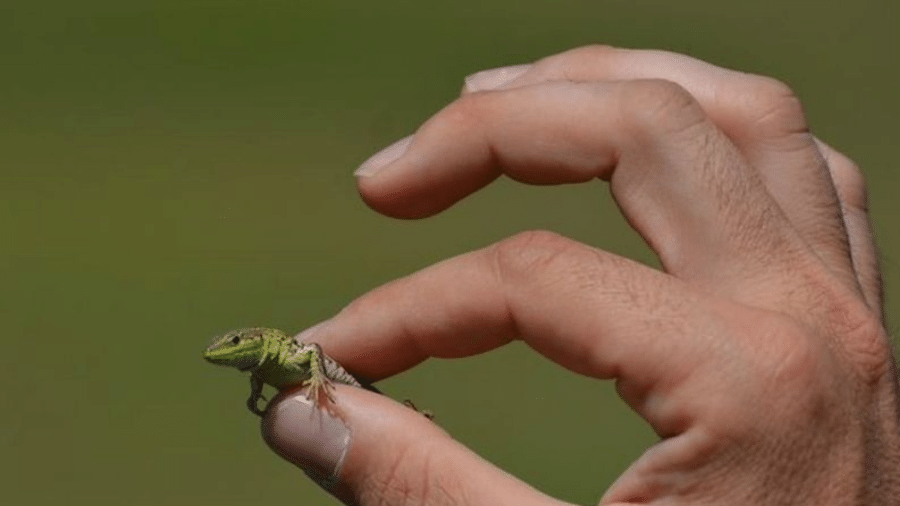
(274, 358)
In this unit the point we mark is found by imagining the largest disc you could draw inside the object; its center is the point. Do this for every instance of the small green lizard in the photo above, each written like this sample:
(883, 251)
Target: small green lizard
(274, 358)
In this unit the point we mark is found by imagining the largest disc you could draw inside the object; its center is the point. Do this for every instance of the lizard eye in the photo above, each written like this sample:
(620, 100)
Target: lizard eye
(236, 340)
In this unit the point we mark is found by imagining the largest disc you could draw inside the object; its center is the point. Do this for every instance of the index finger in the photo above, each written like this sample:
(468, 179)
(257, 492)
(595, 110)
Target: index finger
(593, 312)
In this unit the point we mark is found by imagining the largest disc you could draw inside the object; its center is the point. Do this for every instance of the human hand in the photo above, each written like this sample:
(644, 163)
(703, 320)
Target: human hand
(758, 353)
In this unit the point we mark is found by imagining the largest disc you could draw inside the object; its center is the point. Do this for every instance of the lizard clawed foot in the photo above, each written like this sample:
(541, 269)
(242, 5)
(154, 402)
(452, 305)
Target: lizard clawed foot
(319, 386)
(256, 386)
(252, 403)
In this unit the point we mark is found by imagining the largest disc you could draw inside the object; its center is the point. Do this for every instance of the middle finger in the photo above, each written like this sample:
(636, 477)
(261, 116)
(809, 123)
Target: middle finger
(680, 181)
(760, 115)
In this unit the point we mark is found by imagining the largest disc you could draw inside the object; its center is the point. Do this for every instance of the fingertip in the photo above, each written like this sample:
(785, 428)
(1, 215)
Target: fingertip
(387, 196)
(319, 438)
(384, 158)
(417, 188)
(313, 439)
(389, 183)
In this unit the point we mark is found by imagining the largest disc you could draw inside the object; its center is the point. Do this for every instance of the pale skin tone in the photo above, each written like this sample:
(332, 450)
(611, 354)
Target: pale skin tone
(758, 352)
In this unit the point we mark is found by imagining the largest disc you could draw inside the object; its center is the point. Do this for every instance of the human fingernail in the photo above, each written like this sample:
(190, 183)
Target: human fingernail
(383, 158)
(492, 79)
(313, 439)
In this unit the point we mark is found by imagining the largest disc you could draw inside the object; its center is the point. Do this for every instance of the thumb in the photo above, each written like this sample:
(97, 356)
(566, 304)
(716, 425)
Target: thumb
(366, 449)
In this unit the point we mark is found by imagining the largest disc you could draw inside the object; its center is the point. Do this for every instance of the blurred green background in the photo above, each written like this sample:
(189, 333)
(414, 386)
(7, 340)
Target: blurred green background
(171, 169)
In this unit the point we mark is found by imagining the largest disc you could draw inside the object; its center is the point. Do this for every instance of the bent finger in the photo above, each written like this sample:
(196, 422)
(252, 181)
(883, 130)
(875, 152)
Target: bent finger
(595, 313)
(761, 115)
(680, 182)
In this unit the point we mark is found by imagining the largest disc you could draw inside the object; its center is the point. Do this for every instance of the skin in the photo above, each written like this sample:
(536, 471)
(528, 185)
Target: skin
(758, 352)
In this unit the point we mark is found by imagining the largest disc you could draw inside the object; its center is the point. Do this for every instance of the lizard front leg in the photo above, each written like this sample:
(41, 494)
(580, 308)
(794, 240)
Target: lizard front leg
(256, 386)
(318, 382)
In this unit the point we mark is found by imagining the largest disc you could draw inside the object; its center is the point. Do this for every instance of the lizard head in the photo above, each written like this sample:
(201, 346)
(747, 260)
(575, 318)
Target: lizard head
(242, 348)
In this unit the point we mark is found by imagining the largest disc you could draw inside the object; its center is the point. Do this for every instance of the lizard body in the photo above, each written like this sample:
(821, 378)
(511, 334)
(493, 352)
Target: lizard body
(274, 358)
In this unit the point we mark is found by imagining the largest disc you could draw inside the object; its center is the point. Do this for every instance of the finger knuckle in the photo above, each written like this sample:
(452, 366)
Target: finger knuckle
(861, 337)
(855, 334)
(579, 56)
(468, 111)
(798, 363)
(528, 253)
(869, 350)
(587, 53)
(787, 355)
(659, 106)
(773, 105)
(573, 64)
(790, 371)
